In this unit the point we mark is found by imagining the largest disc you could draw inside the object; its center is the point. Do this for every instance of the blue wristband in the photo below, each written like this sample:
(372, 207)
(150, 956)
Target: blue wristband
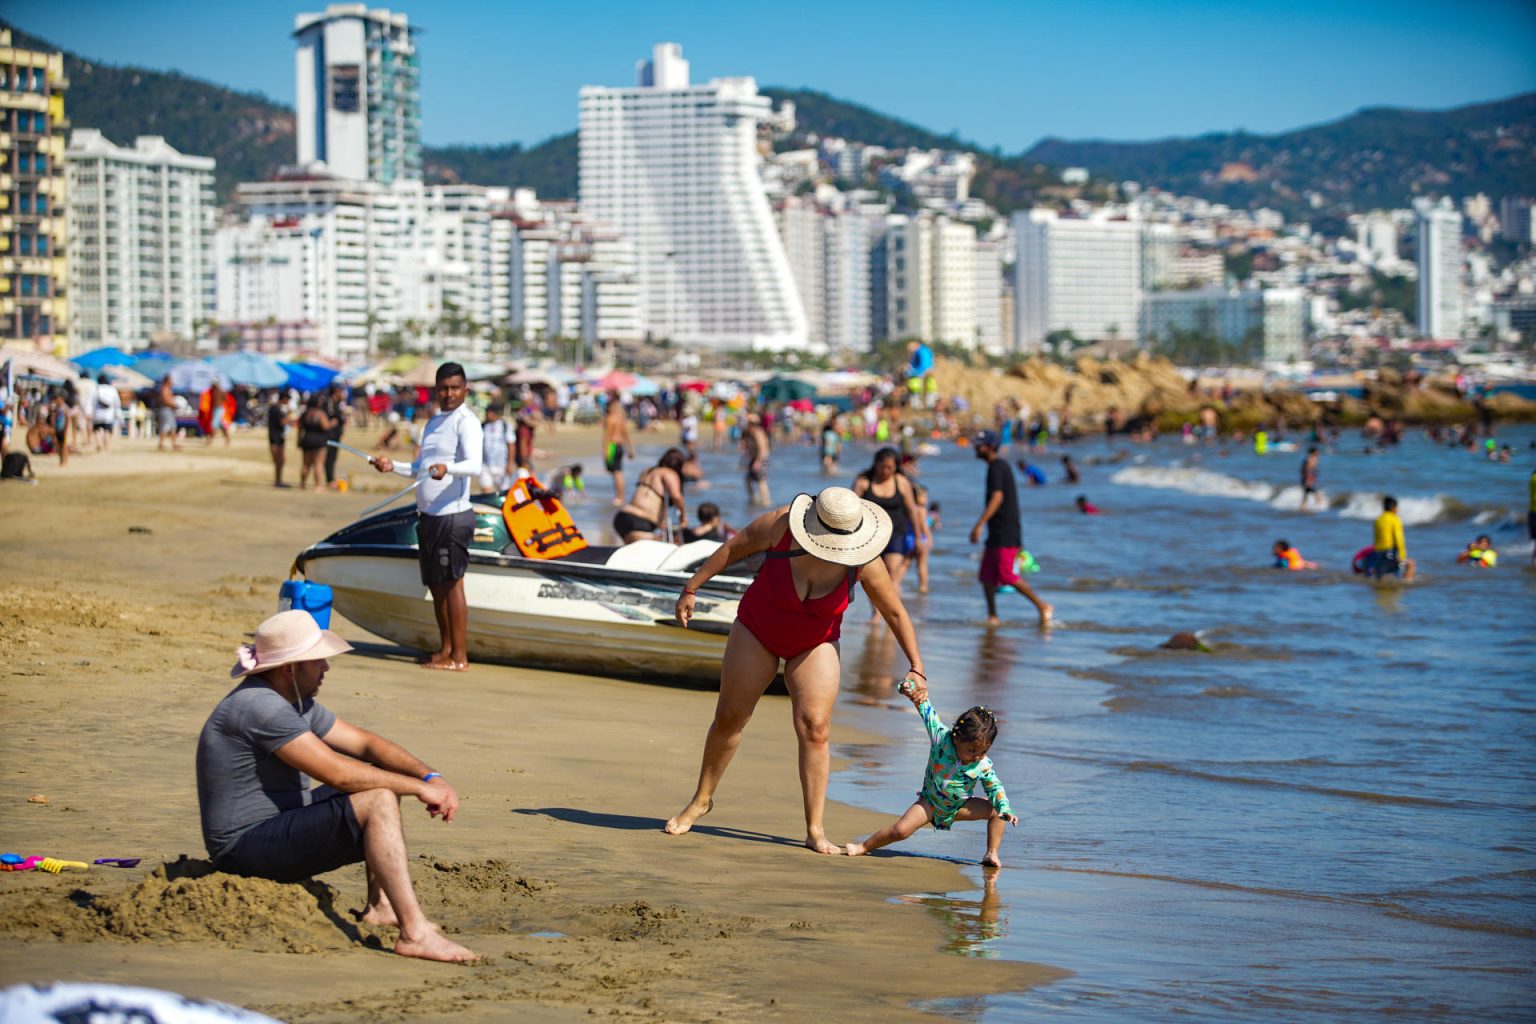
(431, 775)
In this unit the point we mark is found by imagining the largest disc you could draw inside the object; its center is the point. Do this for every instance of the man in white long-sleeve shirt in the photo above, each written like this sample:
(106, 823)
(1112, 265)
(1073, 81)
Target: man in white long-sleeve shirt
(447, 462)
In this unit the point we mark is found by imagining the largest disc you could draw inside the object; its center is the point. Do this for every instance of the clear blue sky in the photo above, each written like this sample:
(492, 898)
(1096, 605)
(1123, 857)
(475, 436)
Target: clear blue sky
(1001, 74)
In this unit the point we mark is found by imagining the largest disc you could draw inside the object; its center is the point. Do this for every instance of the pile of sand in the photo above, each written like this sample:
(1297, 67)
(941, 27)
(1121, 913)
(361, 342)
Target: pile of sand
(182, 903)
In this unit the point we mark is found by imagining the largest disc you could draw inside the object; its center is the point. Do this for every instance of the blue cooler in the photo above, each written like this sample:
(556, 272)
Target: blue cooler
(314, 598)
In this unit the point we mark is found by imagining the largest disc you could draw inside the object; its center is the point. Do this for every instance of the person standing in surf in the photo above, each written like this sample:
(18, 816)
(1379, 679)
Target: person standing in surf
(816, 549)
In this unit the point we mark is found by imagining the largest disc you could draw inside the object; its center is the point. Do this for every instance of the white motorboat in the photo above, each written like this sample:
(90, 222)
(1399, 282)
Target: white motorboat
(608, 611)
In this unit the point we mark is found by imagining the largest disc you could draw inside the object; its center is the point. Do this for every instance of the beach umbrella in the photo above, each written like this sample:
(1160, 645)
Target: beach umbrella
(99, 358)
(422, 375)
(696, 386)
(533, 378)
(29, 362)
(196, 375)
(153, 363)
(616, 380)
(251, 369)
(474, 370)
(644, 387)
(307, 376)
(127, 377)
(785, 389)
(403, 363)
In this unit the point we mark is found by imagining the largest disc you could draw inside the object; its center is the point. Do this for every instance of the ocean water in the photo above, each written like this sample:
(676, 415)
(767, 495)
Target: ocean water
(1331, 815)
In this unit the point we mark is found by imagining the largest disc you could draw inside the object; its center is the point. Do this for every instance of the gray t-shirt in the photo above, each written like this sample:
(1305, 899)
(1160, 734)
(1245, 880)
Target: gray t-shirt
(240, 781)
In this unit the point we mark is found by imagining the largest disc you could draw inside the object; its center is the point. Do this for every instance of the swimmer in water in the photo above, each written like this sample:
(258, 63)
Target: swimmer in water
(1480, 553)
(1287, 557)
(1087, 507)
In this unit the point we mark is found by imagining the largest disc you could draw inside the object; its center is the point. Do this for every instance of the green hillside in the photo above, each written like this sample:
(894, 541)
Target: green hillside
(1379, 157)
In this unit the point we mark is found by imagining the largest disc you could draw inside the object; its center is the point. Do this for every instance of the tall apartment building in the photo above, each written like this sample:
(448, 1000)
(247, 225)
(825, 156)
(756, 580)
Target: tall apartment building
(1442, 311)
(33, 197)
(571, 277)
(930, 274)
(1515, 221)
(141, 225)
(316, 255)
(358, 93)
(674, 167)
(989, 287)
(832, 256)
(1077, 275)
(1265, 325)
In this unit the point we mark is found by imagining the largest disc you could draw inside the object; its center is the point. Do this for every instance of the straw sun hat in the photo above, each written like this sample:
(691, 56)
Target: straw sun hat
(285, 638)
(839, 526)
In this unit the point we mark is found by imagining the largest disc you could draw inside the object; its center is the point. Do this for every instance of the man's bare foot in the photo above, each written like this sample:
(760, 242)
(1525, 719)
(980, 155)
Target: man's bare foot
(434, 945)
(991, 860)
(821, 844)
(382, 916)
(446, 666)
(855, 850)
(993, 620)
(1046, 613)
(684, 819)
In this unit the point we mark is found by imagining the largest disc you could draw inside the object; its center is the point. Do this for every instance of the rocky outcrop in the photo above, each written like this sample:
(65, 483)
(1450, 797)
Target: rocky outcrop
(1150, 387)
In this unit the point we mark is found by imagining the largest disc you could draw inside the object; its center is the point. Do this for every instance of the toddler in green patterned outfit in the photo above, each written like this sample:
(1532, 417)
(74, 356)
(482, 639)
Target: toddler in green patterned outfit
(957, 761)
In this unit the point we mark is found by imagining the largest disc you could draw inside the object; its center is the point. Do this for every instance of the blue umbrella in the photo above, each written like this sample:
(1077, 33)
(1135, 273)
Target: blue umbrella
(153, 363)
(98, 359)
(250, 368)
(307, 376)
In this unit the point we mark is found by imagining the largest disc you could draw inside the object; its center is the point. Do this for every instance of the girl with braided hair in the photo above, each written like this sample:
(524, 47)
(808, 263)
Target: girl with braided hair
(957, 760)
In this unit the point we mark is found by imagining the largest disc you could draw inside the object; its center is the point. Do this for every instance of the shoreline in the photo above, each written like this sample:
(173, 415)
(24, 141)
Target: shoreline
(120, 646)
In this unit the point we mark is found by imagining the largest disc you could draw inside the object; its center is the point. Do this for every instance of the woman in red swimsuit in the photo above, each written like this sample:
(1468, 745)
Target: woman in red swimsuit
(793, 612)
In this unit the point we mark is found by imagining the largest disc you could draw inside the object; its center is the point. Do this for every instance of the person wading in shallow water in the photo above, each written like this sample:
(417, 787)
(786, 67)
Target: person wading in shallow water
(448, 461)
(260, 817)
(817, 549)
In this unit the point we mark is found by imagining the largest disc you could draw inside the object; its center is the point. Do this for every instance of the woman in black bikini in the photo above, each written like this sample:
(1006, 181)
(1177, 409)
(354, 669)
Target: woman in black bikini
(884, 485)
(642, 518)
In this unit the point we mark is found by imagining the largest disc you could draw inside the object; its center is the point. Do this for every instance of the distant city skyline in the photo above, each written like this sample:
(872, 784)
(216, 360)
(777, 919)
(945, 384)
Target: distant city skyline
(998, 74)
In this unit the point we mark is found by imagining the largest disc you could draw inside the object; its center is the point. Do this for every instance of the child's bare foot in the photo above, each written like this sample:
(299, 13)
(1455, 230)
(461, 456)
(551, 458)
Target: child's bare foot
(432, 944)
(683, 820)
(991, 860)
(821, 844)
(855, 850)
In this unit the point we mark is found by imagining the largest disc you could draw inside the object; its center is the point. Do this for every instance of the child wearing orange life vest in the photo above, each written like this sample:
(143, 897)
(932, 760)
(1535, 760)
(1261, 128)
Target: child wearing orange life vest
(1287, 557)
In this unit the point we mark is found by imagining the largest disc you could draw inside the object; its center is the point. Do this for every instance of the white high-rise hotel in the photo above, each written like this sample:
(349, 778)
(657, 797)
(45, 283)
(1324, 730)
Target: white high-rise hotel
(1078, 275)
(358, 93)
(1441, 310)
(141, 226)
(674, 167)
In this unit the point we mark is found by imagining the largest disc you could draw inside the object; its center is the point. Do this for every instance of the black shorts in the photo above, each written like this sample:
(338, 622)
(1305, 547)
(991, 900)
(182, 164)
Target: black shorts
(443, 546)
(300, 843)
(625, 523)
(613, 458)
(1530, 524)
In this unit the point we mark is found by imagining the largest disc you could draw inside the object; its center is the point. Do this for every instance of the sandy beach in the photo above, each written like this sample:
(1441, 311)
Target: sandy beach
(130, 579)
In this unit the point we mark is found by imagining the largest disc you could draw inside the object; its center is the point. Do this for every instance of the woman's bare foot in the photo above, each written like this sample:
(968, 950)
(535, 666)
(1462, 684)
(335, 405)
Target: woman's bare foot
(991, 860)
(434, 945)
(446, 666)
(855, 850)
(821, 844)
(684, 819)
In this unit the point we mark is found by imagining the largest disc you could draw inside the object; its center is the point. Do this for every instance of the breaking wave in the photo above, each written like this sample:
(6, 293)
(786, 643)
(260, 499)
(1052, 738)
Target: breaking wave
(1415, 510)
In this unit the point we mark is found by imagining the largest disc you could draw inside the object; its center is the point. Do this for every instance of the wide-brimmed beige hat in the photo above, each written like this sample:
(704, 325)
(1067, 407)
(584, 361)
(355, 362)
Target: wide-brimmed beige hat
(283, 639)
(839, 526)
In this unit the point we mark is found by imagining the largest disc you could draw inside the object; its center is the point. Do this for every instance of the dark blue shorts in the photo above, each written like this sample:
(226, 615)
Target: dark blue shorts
(300, 843)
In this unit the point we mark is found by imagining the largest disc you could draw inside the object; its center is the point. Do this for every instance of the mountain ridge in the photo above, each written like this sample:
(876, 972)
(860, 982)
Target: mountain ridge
(1376, 156)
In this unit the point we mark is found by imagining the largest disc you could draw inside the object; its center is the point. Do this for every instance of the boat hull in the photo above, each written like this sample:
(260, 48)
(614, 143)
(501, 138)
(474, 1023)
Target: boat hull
(545, 614)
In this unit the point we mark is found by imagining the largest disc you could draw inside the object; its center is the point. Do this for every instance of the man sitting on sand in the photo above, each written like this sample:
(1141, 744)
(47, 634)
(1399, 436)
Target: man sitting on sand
(261, 819)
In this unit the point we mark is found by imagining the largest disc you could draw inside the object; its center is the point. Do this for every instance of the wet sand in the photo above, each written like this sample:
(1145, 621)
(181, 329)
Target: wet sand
(131, 577)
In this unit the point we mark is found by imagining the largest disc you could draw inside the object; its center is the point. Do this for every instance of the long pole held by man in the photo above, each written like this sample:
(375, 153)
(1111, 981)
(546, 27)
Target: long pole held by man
(446, 464)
